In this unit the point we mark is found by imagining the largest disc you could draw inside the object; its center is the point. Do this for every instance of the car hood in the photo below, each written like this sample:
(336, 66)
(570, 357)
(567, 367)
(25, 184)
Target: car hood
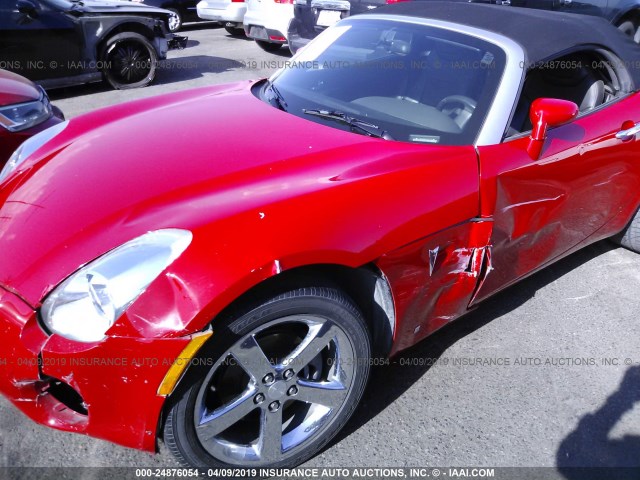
(117, 6)
(117, 173)
(16, 89)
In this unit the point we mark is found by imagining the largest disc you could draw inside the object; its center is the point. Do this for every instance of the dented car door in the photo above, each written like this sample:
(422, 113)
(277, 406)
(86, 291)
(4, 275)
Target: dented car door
(583, 187)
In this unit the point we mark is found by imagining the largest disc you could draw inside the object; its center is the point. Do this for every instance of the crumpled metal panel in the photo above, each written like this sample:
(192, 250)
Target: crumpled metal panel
(434, 279)
(108, 375)
(584, 187)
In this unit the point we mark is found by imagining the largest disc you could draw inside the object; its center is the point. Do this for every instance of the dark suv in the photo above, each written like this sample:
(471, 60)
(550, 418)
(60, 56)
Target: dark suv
(61, 42)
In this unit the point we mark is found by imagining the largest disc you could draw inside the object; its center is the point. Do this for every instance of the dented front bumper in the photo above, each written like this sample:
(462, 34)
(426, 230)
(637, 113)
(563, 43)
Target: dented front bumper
(115, 380)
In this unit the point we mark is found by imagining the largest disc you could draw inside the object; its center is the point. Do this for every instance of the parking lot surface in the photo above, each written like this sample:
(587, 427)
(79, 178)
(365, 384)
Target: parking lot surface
(545, 374)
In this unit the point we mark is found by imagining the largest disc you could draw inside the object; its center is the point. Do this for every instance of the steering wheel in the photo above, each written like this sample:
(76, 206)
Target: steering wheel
(457, 107)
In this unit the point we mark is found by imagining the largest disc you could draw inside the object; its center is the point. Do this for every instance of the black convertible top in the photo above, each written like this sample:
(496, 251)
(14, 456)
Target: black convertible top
(542, 34)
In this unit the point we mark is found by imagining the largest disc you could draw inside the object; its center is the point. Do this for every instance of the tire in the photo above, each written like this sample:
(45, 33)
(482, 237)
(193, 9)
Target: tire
(631, 29)
(241, 399)
(268, 46)
(174, 22)
(126, 48)
(630, 237)
(235, 31)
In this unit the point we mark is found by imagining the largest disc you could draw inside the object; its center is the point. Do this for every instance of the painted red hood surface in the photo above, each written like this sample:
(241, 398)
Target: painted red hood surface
(177, 161)
(16, 89)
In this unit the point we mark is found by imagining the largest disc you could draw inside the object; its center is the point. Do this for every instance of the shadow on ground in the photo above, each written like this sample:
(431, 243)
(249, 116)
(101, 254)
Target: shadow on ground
(589, 444)
(190, 68)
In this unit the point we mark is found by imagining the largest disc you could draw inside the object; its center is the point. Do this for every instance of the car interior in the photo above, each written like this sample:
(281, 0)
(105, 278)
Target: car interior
(431, 92)
(584, 78)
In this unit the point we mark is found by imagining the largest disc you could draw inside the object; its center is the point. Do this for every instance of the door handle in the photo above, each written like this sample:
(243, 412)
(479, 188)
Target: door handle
(628, 134)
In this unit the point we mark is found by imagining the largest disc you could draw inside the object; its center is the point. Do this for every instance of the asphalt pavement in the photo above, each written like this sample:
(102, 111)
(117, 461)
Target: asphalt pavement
(545, 374)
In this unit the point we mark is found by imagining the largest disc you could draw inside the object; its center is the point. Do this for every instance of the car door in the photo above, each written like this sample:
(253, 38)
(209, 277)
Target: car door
(584, 184)
(39, 40)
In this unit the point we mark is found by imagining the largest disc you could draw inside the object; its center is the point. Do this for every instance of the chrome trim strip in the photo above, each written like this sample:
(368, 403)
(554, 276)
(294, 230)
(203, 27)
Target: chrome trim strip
(499, 115)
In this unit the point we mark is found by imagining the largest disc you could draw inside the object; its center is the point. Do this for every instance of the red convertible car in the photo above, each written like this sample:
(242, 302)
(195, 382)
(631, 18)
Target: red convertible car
(227, 293)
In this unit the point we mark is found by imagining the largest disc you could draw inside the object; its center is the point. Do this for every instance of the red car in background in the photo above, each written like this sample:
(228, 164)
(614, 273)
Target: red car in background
(24, 111)
(227, 291)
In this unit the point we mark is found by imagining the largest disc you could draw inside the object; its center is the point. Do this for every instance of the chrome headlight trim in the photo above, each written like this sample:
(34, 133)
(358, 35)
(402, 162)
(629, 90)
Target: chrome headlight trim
(85, 305)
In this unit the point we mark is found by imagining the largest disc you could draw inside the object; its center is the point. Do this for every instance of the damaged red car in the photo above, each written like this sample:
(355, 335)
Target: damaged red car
(226, 293)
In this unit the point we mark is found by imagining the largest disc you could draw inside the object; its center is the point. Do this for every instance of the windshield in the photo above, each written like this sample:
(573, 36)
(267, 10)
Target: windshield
(414, 83)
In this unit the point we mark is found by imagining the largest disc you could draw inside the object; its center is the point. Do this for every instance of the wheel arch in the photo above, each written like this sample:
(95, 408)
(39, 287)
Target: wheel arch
(126, 27)
(367, 286)
(632, 13)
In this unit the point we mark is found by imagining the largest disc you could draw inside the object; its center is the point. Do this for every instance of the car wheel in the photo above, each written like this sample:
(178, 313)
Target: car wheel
(284, 379)
(130, 61)
(235, 31)
(630, 28)
(268, 46)
(174, 22)
(630, 237)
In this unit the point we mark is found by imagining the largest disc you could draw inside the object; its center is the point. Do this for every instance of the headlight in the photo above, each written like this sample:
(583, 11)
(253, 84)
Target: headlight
(88, 303)
(28, 147)
(25, 115)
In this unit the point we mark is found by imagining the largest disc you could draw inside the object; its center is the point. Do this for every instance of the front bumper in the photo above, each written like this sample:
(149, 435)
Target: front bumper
(117, 378)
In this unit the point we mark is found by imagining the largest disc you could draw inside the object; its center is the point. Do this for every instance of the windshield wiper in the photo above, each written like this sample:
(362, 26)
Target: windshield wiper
(278, 98)
(353, 122)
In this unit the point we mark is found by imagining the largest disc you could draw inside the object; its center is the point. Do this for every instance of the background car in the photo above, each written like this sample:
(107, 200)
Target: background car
(267, 22)
(229, 295)
(624, 14)
(228, 12)
(59, 42)
(311, 17)
(183, 11)
(24, 111)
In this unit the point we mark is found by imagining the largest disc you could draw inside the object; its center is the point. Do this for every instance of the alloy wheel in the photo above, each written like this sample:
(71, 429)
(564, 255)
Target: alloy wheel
(274, 390)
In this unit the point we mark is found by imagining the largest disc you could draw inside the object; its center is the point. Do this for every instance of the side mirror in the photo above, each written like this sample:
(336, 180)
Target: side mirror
(545, 113)
(28, 8)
